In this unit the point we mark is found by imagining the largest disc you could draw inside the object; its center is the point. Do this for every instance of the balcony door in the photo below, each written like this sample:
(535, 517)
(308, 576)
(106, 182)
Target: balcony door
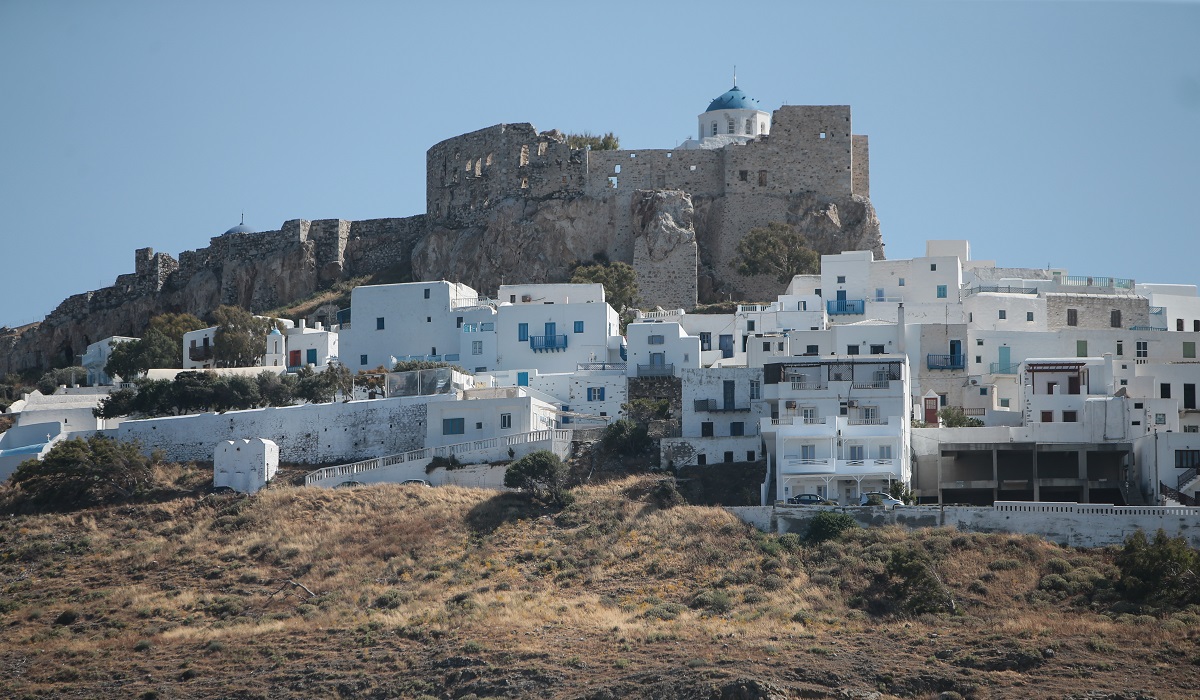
(1004, 358)
(728, 395)
(658, 359)
(955, 348)
(551, 329)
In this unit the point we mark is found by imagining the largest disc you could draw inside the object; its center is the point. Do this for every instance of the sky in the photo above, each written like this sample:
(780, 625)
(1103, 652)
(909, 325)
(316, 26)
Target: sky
(1056, 134)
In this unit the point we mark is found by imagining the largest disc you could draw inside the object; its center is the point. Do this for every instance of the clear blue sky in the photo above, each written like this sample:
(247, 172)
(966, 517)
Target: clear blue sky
(1061, 133)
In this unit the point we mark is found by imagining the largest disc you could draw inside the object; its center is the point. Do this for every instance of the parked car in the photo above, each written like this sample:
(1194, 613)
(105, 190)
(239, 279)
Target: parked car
(348, 485)
(806, 499)
(416, 482)
(884, 499)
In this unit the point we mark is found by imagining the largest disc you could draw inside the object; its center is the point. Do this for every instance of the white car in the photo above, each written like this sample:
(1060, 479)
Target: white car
(886, 499)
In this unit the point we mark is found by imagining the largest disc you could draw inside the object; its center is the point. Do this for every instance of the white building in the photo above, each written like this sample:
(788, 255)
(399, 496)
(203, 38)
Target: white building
(245, 465)
(722, 413)
(839, 425)
(660, 349)
(483, 414)
(96, 357)
(734, 117)
(594, 390)
(198, 348)
(550, 327)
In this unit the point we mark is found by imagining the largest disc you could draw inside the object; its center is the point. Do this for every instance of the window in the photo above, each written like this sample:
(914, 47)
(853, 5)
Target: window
(1003, 314)
(522, 379)
(1004, 403)
(729, 457)
(743, 175)
(702, 459)
(737, 428)
(970, 317)
(851, 349)
(901, 281)
(941, 291)
(729, 126)
(885, 452)
(1164, 390)
(706, 429)
(750, 325)
(978, 359)
(877, 350)
(379, 323)
(1070, 417)
(1029, 316)
(1143, 348)
(1196, 326)
(362, 359)
(762, 178)
(942, 400)
(566, 418)
(595, 393)
(856, 452)
(983, 391)
(1191, 428)
(750, 456)
(458, 322)
(429, 319)
(843, 409)
(522, 331)
(933, 267)
(1189, 396)
(579, 326)
(426, 293)
(1189, 348)
(808, 414)
(1114, 318)
(1072, 317)
(476, 347)
(767, 346)
(808, 452)
(453, 426)
(841, 279)
(1081, 348)
(1047, 416)
(1160, 419)
(479, 425)
(750, 125)
(979, 341)
(1120, 349)
(655, 340)
(811, 350)
(706, 341)
(755, 390)
(714, 133)
(870, 414)
(1179, 324)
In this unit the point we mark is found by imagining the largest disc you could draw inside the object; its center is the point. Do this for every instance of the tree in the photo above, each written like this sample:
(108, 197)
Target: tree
(154, 350)
(63, 376)
(277, 390)
(625, 437)
(79, 473)
(173, 326)
(607, 142)
(956, 417)
(619, 280)
(541, 474)
(323, 386)
(1164, 571)
(778, 250)
(241, 338)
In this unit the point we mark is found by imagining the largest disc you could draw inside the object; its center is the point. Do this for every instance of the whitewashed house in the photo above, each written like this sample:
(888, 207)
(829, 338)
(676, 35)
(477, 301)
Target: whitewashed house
(723, 410)
(96, 357)
(245, 465)
(660, 349)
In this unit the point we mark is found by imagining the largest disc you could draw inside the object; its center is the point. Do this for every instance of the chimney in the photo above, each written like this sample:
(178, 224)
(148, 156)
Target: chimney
(303, 322)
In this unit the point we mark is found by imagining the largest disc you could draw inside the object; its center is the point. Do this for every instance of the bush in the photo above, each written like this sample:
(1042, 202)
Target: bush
(540, 473)
(827, 525)
(716, 601)
(1161, 572)
(915, 585)
(79, 473)
(625, 437)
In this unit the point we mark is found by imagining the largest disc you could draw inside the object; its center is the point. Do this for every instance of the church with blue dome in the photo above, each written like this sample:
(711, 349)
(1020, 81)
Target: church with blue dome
(733, 117)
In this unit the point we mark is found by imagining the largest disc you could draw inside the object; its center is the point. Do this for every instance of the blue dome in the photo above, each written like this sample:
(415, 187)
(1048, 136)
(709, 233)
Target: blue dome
(240, 228)
(734, 98)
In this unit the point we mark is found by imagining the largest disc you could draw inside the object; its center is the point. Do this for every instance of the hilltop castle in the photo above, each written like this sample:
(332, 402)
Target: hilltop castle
(511, 204)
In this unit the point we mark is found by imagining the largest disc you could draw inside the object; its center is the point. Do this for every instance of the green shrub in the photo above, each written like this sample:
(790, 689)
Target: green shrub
(828, 525)
(78, 473)
(541, 474)
(1162, 572)
(713, 600)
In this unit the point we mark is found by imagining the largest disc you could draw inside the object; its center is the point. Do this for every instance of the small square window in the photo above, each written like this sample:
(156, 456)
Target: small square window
(362, 359)
(1004, 403)
(579, 326)
(701, 459)
(978, 359)
(479, 425)
(1160, 419)
(1028, 315)
(983, 391)
(379, 323)
(1003, 314)
(750, 454)
(767, 346)
(1072, 317)
(1070, 417)
(901, 281)
(941, 291)
(505, 421)
(979, 341)
(429, 319)
(841, 279)
(426, 293)
(750, 325)
(1189, 349)
(933, 267)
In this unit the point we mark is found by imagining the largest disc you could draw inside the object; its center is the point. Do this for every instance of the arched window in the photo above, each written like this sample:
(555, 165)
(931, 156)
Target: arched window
(750, 126)
(762, 127)
(714, 128)
(730, 127)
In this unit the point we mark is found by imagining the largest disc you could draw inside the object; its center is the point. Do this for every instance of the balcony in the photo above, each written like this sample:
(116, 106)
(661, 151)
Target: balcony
(872, 384)
(791, 465)
(806, 385)
(946, 361)
(655, 370)
(842, 307)
(599, 366)
(713, 406)
(1009, 368)
(200, 353)
(547, 343)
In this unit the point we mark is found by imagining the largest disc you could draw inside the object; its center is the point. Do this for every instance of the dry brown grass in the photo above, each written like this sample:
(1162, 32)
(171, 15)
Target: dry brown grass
(194, 597)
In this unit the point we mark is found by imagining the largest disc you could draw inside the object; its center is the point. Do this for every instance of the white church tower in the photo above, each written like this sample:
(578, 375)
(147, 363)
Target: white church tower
(275, 349)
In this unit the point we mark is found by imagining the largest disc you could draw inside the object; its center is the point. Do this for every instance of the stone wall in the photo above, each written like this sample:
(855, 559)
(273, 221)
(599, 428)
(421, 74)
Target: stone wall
(664, 247)
(1095, 311)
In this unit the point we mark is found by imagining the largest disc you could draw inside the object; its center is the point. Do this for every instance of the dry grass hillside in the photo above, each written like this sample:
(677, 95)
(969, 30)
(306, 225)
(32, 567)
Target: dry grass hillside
(410, 592)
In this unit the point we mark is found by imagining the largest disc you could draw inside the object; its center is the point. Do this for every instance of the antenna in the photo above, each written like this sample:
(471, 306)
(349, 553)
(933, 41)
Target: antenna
(735, 75)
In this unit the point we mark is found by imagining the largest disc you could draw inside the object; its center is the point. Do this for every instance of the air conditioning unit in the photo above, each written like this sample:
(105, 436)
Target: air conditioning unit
(526, 298)
(974, 382)
(852, 404)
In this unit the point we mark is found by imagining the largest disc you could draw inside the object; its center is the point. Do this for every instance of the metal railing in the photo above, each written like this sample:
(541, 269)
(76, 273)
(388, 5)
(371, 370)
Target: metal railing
(867, 421)
(837, 307)
(543, 343)
(713, 406)
(801, 385)
(1186, 478)
(751, 308)
(873, 384)
(655, 370)
(946, 361)
(600, 366)
(200, 353)
(1006, 368)
(999, 289)
(1085, 281)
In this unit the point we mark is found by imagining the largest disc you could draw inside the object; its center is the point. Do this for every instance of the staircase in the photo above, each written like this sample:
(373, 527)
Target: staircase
(1132, 494)
(1175, 495)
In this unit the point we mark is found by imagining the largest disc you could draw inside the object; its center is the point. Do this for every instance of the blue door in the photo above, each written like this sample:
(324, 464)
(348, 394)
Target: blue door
(725, 342)
(1004, 359)
(956, 348)
(841, 295)
(550, 328)
(522, 379)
